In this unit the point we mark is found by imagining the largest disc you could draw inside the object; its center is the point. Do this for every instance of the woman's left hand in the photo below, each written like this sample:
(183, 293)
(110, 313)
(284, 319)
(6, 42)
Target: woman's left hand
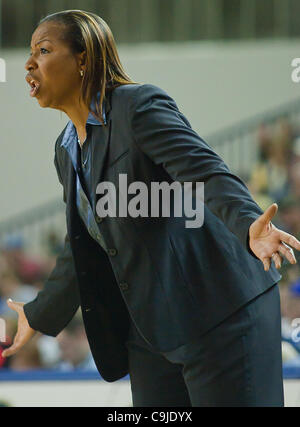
(268, 242)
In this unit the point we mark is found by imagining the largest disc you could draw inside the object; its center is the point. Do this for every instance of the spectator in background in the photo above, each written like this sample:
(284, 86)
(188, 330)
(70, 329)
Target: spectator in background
(27, 269)
(270, 176)
(28, 358)
(277, 175)
(290, 312)
(74, 347)
(294, 178)
(53, 243)
(16, 264)
(290, 215)
(11, 287)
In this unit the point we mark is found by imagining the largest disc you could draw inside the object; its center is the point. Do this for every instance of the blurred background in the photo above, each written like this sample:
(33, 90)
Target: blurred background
(227, 64)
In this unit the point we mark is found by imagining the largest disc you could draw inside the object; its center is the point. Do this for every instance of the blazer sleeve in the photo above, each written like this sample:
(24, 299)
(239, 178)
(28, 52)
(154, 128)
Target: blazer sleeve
(163, 133)
(58, 301)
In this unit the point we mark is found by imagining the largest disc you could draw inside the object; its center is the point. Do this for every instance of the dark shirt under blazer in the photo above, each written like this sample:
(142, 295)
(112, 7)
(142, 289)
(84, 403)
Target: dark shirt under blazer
(176, 283)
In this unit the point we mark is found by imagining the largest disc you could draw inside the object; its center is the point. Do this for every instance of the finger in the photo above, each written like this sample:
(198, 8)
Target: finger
(16, 306)
(269, 213)
(277, 258)
(266, 217)
(287, 252)
(290, 240)
(267, 263)
(11, 350)
(16, 345)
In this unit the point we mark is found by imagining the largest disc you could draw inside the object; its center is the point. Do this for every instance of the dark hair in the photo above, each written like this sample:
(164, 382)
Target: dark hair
(86, 31)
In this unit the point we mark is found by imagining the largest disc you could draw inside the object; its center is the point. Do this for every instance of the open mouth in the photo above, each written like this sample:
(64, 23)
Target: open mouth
(34, 87)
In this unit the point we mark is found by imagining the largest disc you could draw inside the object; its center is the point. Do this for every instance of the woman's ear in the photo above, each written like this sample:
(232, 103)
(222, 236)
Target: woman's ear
(81, 59)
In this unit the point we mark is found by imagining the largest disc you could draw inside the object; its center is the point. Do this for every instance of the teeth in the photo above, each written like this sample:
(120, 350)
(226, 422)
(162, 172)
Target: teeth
(33, 84)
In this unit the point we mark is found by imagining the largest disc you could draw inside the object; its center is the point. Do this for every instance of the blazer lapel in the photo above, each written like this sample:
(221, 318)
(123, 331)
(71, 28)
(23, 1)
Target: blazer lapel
(71, 208)
(102, 136)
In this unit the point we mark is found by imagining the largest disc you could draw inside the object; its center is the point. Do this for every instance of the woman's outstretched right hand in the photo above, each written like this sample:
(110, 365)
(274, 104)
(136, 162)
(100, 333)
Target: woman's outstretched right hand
(24, 333)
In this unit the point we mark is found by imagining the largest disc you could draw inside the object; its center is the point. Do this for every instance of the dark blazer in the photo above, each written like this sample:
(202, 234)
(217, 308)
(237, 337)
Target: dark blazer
(175, 282)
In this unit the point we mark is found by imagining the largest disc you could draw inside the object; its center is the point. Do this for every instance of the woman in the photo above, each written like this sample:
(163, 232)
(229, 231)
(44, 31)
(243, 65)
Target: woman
(191, 313)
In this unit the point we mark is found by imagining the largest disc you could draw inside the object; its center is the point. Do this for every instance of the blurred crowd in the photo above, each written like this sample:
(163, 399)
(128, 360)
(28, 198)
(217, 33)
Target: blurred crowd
(21, 277)
(274, 178)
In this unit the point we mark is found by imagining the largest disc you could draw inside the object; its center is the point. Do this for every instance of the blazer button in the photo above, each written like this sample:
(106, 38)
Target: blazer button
(99, 219)
(112, 252)
(98, 237)
(124, 286)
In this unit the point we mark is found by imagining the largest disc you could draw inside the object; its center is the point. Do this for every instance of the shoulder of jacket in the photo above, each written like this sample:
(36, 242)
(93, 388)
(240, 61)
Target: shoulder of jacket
(129, 91)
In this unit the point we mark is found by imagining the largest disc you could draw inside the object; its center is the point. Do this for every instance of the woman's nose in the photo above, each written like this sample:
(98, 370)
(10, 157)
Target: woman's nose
(30, 64)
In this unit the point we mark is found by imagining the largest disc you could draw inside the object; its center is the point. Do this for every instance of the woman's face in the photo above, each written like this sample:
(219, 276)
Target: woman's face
(53, 70)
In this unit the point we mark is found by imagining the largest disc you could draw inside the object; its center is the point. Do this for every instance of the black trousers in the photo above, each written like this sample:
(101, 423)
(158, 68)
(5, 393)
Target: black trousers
(238, 363)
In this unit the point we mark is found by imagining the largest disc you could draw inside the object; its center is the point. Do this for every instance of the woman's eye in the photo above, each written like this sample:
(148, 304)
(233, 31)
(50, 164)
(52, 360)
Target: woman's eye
(42, 50)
